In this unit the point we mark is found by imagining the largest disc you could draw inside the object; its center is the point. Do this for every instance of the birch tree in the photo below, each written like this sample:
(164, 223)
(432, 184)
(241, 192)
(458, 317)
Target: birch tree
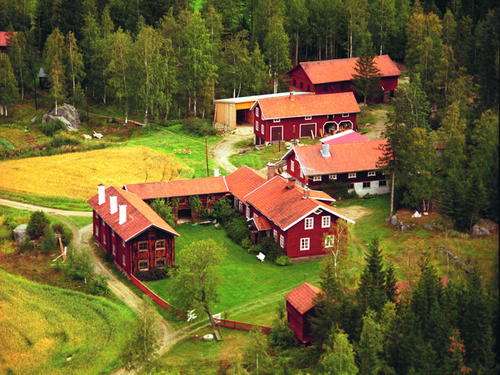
(74, 60)
(276, 50)
(8, 84)
(54, 57)
(18, 51)
(297, 14)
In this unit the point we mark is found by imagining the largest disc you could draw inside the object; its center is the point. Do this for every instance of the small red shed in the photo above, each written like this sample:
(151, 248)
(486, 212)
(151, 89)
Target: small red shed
(5, 39)
(300, 303)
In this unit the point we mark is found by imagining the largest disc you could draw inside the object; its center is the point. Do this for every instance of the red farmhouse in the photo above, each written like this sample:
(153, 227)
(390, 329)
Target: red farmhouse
(336, 75)
(130, 231)
(300, 304)
(299, 116)
(344, 158)
(4, 39)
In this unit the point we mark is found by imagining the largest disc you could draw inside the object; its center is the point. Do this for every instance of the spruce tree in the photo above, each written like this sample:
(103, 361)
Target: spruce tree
(8, 85)
(371, 346)
(367, 78)
(372, 290)
(390, 284)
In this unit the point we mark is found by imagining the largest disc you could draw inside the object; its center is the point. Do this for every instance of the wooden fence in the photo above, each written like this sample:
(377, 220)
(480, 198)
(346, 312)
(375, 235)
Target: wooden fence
(155, 297)
(240, 326)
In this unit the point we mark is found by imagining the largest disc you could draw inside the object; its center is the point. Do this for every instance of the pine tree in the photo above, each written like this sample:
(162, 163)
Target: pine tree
(8, 84)
(338, 357)
(276, 50)
(359, 39)
(367, 78)
(54, 61)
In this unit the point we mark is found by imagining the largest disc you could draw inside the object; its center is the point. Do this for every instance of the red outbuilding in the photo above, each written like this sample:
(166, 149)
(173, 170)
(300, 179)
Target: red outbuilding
(5, 39)
(336, 75)
(300, 303)
(303, 116)
(130, 232)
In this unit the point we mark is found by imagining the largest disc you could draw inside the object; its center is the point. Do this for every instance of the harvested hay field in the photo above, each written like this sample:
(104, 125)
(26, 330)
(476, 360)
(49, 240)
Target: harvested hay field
(76, 175)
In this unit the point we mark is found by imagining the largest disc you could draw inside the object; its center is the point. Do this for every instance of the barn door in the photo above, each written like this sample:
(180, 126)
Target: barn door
(276, 133)
(307, 130)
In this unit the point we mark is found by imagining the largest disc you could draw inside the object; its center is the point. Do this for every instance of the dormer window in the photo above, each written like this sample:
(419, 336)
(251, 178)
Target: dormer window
(308, 118)
(277, 120)
(371, 174)
(316, 178)
(352, 175)
(345, 115)
(332, 177)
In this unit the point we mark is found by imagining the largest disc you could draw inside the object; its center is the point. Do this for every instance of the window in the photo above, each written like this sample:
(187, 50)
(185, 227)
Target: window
(256, 111)
(97, 230)
(366, 185)
(142, 246)
(123, 259)
(350, 186)
(382, 183)
(104, 238)
(352, 175)
(325, 221)
(262, 129)
(282, 241)
(160, 244)
(345, 115)
(257, 125)
(307, 117)
(160, 263)
(123, 243)
(316, 178)
(277, 120)
(240, 206)
(332, 177)
(304, 243)
(371, 174)
(309, 223)
(114, 249)
(248, 212)
(143, 265)
(329, 240)
(275, 234)
(292, 165)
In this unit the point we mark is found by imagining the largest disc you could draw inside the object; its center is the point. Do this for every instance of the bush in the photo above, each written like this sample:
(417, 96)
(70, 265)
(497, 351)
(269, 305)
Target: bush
(98, 285)
(282, 260)
(152, 275)
(223, 211)
(246, 243)
(199, 127)
(164, 209)
(270, 249)
(5, 233)
(26, 245)
(37, 225)
(63, 140)
(49, 241)
(78, 265)
(64, 231)
(52, 127)
(237, 229)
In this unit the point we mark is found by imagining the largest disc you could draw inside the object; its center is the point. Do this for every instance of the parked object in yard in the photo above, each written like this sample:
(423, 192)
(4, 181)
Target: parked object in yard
(67, 114)
(208, 337)
(261, 256)
(416, 215)
(19, 233)
(97, 135)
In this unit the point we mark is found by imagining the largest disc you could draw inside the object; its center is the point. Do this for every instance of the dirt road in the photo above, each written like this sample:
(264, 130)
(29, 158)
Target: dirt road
(54, 211)
(227, 147)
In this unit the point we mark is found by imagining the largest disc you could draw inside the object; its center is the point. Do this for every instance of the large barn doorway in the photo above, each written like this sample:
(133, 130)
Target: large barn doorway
(242, 117)
(330, 128)
(184, 215)
(276, 133)
(307, 130)
(345, 125)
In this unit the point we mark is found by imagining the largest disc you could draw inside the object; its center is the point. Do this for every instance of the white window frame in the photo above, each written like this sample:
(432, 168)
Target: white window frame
(282, 241)
(316, 178)
(164, 262)
(164, 244)
(292, 165)
(113, 249)
(332, 176)
(139, 246)
(326, 221)
(351, 175)
(275, 234)
(257, 126)
(305, 244)
(372, 173)
(308, 118)
(262, 129)
(97, 230)
(257, 112)
(247, 212)
(276, 120)
(123, 259)
(271, 132)
(345, 115)
(329, 241)
(143, 268)
(384, 181)
(308, 123)
(309, 223)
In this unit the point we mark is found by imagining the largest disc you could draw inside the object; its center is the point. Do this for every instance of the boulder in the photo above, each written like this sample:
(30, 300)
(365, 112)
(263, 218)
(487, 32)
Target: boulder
(20, 233)
(394, 220)
(484, 227)
(67, 114)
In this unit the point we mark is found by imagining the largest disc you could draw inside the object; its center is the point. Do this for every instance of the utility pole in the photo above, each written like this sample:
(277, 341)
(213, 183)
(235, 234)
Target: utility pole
(392, 196)
(206, 155)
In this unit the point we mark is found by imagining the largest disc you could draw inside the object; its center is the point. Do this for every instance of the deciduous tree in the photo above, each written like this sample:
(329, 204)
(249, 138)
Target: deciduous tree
(54, 62)
(8, 84)
(19, 54)
(338, 357)
(74, 60)
(276, 50)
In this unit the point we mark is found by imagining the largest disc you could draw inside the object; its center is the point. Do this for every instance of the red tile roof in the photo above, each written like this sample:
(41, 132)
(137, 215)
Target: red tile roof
(303, 297)
(339, 70)
(308, 105)
(4, 38)
(139, 215)
(261, 223)
(242, 181)
(344, 157)
(179, 188)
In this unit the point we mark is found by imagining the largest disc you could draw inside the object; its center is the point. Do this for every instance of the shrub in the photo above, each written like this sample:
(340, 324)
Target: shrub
(195, 203)
(98, 285)
(199, 126)
(152, 275)
(63, 140)
(49, 241)
(5, 233)
(52, 127)
(282, 260)
(78, 265)
(164, 209)
(246, 243)
(64, 231)
(26, 245)
(37, 225)
(10, 222)
(281, 335)
(270, 249)
(222, 211)
(237, 229)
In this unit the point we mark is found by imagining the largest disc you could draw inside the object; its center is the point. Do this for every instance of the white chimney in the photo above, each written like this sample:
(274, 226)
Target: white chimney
(216, 172)
(122, 219)
(325, 150)
(113, 204)
(101, 194)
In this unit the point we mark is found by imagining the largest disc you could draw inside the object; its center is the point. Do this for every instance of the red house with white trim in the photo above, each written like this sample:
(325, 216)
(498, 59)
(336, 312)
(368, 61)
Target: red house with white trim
(300, 116)
(327, 76)
(300, 303)
(130, 232)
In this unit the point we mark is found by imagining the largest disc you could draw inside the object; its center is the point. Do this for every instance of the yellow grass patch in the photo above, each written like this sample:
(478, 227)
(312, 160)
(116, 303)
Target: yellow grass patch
(76, 175)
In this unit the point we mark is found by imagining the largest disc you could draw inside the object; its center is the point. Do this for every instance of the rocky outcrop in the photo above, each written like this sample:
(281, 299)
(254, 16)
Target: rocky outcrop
(66, 114)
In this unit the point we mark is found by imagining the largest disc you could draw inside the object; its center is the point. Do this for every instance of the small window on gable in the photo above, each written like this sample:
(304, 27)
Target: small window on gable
(277, 120)
(292, 165)
(309, 223)
(257, 112)
(248, 212)
(142, 245)
(352, 175)
(329, 241)
(332, 177)
(325, 221)
(308, 118)
(282, 241)
(160, 244)
(345, 115)
(371, 174)
(305, 243)
(143, 265)
(316, 178)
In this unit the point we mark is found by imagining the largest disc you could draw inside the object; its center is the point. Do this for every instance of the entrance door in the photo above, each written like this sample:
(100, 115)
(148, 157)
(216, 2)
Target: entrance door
(307, 130)
(276, 133)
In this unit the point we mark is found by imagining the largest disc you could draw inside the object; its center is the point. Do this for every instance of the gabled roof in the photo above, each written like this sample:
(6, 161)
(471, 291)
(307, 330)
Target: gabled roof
(284, 203)
(4, 38)
(308, 105)
(303, 297)
(242, 181)
(344, 157)
(261, 223)
(254, 98)
(339, 70)
(179, 188)
(346, 136)
(139, 215)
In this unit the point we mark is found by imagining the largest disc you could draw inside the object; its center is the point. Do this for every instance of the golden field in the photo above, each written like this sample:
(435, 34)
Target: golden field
(76, 175)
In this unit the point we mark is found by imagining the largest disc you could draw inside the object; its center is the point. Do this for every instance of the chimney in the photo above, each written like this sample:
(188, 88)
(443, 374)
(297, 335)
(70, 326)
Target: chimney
(216, 172)
(271, 170)
(325, 150)
(101, 194)
(306, 193)
(113, 204)
(122, 219)
(291, 96)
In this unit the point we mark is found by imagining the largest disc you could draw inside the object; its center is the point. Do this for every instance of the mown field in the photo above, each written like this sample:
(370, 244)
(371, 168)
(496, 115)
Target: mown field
(47, 330)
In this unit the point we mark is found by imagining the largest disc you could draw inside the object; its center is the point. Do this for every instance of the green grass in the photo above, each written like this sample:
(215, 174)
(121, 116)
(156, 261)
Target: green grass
(187, 148)
(244, 280)
(61, 203)
(50, 330)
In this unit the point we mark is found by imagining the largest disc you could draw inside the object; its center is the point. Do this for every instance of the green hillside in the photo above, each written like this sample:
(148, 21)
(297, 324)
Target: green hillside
(47, 330)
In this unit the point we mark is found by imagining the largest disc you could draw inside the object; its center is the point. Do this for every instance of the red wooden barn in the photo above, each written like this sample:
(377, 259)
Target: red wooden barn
(344, 158)
(299, 116)
(137, 239)
(4, 39)
(336, 75)
(300, 304)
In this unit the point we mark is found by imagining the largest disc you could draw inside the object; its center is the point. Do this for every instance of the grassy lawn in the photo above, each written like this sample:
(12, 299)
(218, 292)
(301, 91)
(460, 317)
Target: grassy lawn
(245, 281)
(49, 330)
(46, 201)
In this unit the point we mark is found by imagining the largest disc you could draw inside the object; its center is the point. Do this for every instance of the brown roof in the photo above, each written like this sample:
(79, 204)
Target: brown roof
(242, 181)
(179, 188)
(139, 215)
(344, 157)
(339, 70)
(303, 297)
(308, 105)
